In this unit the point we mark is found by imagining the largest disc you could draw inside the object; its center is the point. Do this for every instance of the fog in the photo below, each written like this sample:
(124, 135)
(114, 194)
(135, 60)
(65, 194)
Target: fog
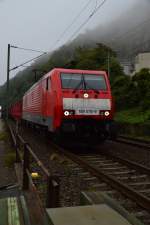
(39, 24)
(127, 33)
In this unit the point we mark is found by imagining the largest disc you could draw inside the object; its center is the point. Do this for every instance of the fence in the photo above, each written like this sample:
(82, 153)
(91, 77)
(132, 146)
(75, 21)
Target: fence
(26, 157)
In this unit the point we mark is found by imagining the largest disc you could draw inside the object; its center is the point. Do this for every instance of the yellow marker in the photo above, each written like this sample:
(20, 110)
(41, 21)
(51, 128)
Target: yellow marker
(34, 175)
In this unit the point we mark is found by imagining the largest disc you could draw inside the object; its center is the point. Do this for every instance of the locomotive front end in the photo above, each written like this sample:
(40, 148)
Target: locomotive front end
(87, 107)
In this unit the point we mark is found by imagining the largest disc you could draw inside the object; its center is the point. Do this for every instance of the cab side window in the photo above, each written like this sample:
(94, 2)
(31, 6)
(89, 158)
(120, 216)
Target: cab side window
(48, 83)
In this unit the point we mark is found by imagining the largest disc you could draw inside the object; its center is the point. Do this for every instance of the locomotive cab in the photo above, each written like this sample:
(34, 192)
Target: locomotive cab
(71, 102)
(86, 104)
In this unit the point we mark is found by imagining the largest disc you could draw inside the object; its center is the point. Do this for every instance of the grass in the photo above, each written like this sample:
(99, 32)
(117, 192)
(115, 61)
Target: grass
(10, 158)
(10, 155)
(133, 116)
(4, 136)
(146, 138)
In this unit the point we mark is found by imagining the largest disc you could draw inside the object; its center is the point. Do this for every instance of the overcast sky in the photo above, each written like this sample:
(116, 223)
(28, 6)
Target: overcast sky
(37, 24)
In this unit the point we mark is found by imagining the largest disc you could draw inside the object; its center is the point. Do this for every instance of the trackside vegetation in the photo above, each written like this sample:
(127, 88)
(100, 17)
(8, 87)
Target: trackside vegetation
(132, 94)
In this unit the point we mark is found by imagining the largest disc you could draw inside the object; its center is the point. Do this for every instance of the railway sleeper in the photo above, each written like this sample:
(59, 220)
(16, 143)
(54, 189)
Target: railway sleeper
(93, 157)
(144, 191)
(139, 184)
(108, 164)
(122, 172)
(142, 215)
(111, 164)
(84, 174)
(132, 178)
(115, 168)
(97, 161)
(111, 192)
(100, 185)
(77, 169)
(102, 161)
(90, 178)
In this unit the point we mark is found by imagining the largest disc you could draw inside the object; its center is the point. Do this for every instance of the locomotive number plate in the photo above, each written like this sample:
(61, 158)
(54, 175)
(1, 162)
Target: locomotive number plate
(87, 112)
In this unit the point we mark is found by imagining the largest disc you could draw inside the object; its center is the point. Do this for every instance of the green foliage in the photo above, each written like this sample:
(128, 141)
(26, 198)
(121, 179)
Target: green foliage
(10, 158)
(93, 58)
(67, 57)
(4, 136)
(133, 92)
(132, 116)
(142, 82)
(128, 92)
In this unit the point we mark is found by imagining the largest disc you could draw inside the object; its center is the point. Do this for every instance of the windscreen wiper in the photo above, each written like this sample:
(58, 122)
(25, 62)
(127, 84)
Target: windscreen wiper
(77, 87)
(90, 88)
(85, 85)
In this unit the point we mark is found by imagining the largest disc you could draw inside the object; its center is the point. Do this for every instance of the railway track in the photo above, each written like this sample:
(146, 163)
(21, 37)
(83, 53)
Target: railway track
(126, 181)
(134, 142)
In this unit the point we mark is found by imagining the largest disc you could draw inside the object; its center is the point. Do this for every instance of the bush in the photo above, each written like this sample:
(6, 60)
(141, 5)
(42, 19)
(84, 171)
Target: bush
(10, 158)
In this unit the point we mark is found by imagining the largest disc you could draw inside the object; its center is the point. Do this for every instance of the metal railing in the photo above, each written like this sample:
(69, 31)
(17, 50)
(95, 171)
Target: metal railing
(26, 157)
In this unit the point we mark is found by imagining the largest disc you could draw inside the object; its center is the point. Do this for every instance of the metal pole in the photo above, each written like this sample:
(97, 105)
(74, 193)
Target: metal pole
(108, 65)
(8, 70)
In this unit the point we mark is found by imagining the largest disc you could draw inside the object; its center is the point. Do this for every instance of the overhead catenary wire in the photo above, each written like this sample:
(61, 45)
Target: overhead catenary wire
(16, 67)
(87, 20)
(28, 49)
(73, 22)
(96, 2)
(97, 7)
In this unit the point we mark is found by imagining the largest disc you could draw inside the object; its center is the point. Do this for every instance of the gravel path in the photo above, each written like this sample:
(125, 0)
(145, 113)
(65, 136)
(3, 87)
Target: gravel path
(7, 175)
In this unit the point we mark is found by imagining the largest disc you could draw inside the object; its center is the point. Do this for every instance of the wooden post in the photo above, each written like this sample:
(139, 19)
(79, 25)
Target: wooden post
(52, 198)
(17, 149)
(26, 166)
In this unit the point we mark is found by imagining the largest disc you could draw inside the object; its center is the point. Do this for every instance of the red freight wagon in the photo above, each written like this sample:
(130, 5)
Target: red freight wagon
(71, 101)
(16, 110)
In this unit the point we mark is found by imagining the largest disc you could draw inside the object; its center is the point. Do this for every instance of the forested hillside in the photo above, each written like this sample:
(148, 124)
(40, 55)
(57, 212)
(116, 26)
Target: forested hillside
(82, 58)
(129, 93)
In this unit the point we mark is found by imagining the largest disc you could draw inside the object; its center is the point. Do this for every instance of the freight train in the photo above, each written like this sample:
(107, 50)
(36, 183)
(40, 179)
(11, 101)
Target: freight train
(70, 102)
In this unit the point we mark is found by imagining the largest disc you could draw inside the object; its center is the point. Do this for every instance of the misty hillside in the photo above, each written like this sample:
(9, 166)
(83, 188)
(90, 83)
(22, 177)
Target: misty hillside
(129, 34)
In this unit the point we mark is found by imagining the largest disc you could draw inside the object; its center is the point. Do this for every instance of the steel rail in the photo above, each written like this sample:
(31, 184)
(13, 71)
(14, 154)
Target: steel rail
(135, 139)
(39, 163)
(140, 199)
(133, 142)
(134, 165)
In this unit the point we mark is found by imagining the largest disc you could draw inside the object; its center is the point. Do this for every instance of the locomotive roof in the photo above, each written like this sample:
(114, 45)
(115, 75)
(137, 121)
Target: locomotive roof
(74, 71)
(67, 71)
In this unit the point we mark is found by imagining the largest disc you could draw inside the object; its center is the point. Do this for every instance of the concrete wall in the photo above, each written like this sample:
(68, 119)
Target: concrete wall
(142, 61)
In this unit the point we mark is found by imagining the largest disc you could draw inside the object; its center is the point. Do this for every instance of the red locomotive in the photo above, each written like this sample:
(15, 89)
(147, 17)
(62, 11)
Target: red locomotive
(16, 110)
(69, 101)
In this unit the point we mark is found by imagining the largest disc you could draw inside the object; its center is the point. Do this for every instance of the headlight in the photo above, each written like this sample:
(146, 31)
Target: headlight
(66, 113)
(107, 113)
(86, 95)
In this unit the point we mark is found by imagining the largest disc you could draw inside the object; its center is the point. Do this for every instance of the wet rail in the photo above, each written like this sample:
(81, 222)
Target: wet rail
(115, 175)
(134, 142)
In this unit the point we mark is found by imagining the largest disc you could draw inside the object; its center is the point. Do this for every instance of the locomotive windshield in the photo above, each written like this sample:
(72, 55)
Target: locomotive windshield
(83, 81)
